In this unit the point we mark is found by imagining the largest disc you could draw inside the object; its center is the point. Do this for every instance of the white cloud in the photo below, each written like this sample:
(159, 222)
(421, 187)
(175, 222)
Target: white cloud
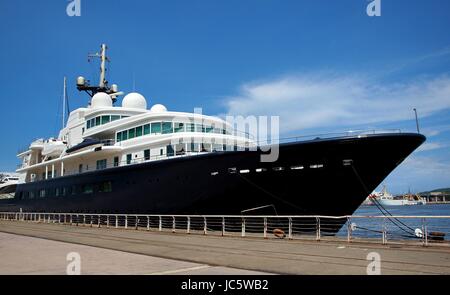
(324, 100)
(419, 173)
(429, 146)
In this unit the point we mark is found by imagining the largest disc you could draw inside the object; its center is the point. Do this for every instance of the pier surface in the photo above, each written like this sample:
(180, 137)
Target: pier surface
(37, 248)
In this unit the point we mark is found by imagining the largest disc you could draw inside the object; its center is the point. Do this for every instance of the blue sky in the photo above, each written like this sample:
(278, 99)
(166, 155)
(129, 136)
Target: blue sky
(323, 66)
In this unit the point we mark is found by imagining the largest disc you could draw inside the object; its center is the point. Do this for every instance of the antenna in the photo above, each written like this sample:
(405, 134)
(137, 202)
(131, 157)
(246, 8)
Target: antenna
(417, 120)
(83, 84)
(64, 102)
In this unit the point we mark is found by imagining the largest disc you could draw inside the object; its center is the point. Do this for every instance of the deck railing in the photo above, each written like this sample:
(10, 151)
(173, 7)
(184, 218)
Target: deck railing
(416, 230)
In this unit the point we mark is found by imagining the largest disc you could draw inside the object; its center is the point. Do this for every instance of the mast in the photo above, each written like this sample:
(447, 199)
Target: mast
(83, 84)
(64, 103)
(103, 58)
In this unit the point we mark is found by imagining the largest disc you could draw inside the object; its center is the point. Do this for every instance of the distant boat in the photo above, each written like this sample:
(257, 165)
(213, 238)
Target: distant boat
(8, 184)
(384, 198)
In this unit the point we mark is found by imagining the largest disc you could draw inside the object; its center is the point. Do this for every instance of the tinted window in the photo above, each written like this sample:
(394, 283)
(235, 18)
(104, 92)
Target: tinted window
(139, 131)
(146, 129)
(167, 127)
(156, 127)
(105, 119)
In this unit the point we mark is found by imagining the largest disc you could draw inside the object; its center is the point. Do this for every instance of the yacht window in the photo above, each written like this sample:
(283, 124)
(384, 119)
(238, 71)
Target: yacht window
(260, 169)
(97, 121)
(190, 127)
(119, 136)
(170, 151)
(232, 170)
(147, 155)
(278, 168)
(179, 149)
(129, 159)
(80, 168)
(115, 117)
(244, 171)
(123, 117)
(146, 129)
(124, 135)
(214, 173)
(217, 147)
(116, 161)
(138, 131)
(198, 128)
(208, 129)
(297, 167)
(101, 164)
(167, 127)
(105, 187)
(161, 151)
(206, 147)
(131, 133)
(88, 124)
(106, 119)
(42, 193)
(178, 127)
(156, 128)
(316, 166)
(88, 189)
(193, 147)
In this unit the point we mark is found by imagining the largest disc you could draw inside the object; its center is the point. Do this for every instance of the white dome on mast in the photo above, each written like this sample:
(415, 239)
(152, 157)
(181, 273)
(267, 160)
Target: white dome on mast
(134, 100)
(158, 108)
(101, 100)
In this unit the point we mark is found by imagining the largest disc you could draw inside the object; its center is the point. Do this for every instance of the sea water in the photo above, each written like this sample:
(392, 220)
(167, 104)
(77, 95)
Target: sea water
(400, 228)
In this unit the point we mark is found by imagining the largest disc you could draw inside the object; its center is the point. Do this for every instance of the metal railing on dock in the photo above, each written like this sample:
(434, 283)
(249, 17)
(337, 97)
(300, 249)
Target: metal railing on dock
(421, 230)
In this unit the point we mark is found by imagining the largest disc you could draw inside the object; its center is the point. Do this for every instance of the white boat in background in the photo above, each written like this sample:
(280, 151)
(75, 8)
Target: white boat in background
(384, 198)
(8, 185)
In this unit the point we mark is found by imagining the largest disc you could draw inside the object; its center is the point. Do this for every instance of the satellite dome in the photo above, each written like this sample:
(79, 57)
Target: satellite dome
(158, 108)
(101, 100)
(134, 100)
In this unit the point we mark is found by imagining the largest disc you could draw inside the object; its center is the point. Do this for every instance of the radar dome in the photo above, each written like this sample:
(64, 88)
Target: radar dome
(158, 108)
(134, 100)
(101, 100)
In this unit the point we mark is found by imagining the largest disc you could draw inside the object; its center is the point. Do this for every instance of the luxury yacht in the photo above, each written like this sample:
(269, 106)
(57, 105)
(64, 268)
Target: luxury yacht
(133, 158)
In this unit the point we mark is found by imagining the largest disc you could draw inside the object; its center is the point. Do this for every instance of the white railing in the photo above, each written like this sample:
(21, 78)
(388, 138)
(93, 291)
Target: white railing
(421, 230)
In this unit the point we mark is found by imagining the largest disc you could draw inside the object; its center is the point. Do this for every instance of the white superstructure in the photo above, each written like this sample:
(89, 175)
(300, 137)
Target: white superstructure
(102, 135)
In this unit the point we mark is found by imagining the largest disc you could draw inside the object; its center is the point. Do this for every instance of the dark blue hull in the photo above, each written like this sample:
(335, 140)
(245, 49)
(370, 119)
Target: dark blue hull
(337, 176)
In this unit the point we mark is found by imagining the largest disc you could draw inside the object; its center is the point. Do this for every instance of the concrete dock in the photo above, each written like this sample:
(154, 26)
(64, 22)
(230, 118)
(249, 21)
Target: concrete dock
(37, 248)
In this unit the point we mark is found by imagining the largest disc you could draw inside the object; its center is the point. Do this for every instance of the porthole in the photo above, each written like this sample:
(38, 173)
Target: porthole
(297, 167)
(232, 170)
